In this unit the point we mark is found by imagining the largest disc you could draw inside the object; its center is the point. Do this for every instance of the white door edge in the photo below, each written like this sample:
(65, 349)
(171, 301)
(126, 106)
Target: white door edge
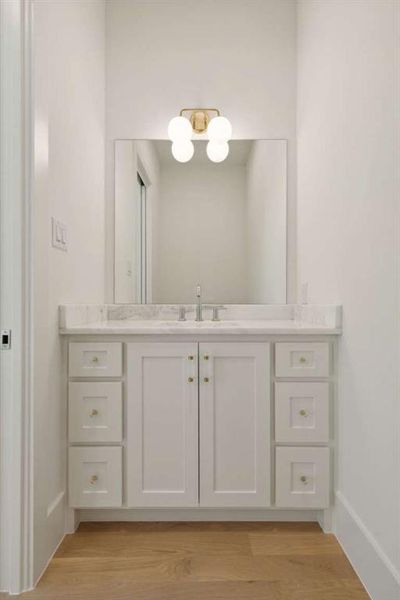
(16, 514)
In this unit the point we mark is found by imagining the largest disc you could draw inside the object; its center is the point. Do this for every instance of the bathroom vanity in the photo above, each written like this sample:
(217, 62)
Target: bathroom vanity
(233, 414)
(172, 412)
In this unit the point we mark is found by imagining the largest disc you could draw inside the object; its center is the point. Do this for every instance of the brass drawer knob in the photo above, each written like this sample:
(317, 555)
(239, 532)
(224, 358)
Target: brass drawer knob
(206, 357)
(93, 479)
(206, 379)
(304, 479)
(95, 359)
(190, 357)
(94, 412)
(303, 359)
(303, 413)
(190, 379)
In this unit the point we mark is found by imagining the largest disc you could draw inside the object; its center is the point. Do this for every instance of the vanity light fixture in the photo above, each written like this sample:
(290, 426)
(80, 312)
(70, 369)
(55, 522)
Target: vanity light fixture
(181, 129)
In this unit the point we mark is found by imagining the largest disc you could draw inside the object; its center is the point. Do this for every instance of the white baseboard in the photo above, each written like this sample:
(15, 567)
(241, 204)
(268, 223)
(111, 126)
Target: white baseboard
(38, 577)
(376, 571)
(325, 520)
(53, 535)
(195, 514)
(71, 520)
(54, 505)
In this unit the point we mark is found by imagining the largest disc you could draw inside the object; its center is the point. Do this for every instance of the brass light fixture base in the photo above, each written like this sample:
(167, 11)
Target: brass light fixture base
(199, 118)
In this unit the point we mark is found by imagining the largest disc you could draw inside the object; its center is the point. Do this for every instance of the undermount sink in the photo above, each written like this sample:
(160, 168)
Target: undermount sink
(203, 324)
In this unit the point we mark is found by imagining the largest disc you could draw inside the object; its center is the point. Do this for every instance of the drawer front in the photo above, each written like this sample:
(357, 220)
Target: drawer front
(304, 359)
(301, 412)
(95, 477)
(95, 359)
(95, 412)
(302, 477)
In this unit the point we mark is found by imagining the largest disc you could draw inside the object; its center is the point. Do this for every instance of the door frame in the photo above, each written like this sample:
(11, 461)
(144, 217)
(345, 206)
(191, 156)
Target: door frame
(16, 269)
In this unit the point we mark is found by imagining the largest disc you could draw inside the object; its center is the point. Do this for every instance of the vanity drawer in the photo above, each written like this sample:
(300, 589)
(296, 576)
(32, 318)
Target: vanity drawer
(95, 412)
(302, 477)
(304, 359)
(302, 412)
(95, 359)
(95, 477)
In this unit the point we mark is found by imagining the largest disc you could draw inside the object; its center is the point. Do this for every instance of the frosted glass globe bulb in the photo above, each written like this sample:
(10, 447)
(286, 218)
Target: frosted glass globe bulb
(182, 151)
(217, 151)
(219, 129)
(179, 129)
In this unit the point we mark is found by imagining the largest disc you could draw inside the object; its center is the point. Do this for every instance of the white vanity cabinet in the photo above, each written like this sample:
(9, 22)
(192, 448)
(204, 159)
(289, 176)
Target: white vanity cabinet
(192, 422)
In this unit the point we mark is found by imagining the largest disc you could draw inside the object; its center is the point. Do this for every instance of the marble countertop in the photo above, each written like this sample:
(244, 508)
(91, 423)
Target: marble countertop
(238, 327)
(236, 319)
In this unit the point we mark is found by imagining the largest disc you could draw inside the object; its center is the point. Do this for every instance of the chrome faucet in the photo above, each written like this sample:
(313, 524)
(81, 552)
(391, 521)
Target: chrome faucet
(199, 306)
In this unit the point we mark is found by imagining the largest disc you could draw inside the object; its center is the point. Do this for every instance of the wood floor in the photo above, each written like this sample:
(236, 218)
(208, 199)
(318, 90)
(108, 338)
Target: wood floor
(199, 561)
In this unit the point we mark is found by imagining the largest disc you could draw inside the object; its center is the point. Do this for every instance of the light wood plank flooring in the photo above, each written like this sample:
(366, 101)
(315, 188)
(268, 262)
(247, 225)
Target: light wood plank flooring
(199, 561)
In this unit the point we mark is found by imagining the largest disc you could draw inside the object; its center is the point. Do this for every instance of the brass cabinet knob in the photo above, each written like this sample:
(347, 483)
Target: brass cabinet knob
(303, 359)
(206, 379)
(95, 359)
(303, 412)
(303, 479)
(94, 412)
(190, 357)
(190, 379)
(93, 479)
(206, 357)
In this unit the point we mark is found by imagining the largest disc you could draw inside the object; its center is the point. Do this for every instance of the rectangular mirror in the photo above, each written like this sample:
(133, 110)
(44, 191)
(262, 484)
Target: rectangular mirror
(220, 225)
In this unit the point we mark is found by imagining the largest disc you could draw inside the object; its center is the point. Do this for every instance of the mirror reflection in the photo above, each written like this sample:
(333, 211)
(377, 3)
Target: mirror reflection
(220, 225)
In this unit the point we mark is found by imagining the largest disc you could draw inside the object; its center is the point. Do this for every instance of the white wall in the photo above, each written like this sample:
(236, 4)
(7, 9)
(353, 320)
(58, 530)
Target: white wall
(69, 91)
(348, 253)
(238, 56)
(266, 222)
(202, 234)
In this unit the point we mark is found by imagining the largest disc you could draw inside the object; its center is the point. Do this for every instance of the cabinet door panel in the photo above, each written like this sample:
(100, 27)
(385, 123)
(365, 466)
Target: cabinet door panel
(234, 424)
(96, 359)
(95, 477)
(302, 412)
(95, 412)
(162, 438)
(302, 477)
(302, 359)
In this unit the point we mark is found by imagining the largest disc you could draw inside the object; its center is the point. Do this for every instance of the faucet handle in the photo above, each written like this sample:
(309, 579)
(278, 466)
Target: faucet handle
(215, 310)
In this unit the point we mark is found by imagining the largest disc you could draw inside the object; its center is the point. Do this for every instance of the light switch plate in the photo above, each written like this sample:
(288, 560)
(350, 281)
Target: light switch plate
(59, 235)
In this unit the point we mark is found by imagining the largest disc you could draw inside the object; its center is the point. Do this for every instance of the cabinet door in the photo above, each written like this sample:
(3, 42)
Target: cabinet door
(303, 359)
(162, 424)
(302, 412)
(302, 477)
(95, 412)
(234, 424)
(95, 477)
(96, 359)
